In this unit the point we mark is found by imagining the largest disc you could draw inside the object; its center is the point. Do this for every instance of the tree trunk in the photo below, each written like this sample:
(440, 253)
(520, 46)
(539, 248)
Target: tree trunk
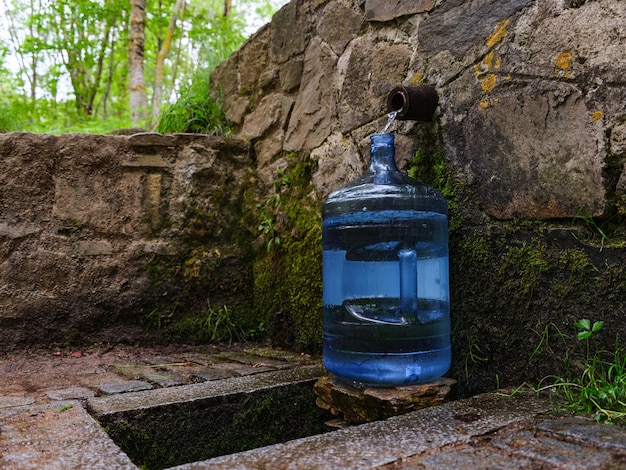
(138, 97)
(178, 50)
(107, 89)
(157, 98)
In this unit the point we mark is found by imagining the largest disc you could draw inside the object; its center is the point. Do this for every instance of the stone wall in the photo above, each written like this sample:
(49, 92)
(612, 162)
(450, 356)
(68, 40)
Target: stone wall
(531, 94)
(103, 237)
(528, 145)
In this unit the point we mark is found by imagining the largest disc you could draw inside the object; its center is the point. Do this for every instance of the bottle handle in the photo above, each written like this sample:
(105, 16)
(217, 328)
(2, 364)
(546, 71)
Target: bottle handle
(408, 280)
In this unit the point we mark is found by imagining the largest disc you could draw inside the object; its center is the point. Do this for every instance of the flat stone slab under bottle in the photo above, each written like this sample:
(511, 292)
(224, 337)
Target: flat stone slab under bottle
(357, 405)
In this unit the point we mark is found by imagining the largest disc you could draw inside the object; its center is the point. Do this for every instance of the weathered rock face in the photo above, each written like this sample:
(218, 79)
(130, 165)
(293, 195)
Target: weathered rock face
(96, 230)
(529, 91)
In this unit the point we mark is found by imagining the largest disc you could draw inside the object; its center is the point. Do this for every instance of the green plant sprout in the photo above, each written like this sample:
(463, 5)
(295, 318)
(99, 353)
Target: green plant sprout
(600, 389)
(159, 317)
(475, 354)
(220, 325)
(65, 408)
(266, 225)
(588, 219)
(267, 229)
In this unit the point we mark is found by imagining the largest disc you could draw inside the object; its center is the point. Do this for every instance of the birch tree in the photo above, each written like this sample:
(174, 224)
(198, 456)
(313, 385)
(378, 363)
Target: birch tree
(136, 53)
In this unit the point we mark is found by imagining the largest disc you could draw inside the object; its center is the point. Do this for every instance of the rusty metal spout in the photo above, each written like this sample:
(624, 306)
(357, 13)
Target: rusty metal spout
(413, 103)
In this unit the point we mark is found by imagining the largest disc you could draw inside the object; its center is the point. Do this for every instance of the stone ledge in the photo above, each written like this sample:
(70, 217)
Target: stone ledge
(387, 443)
(57, 436)
(364, 405)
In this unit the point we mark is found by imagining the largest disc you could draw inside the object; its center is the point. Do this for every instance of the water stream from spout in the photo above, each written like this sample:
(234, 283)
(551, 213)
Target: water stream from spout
(391, 117)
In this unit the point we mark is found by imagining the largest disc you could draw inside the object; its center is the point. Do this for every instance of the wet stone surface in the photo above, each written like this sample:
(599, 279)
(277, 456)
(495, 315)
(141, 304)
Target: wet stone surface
(124, 387)
(73, 393)
(536, 443)
(44, 422)
(587, 430)
(10, 402)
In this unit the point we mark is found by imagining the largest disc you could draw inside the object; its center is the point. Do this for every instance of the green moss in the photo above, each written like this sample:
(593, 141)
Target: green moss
(521, 269)
(514, 287)
(430, 166)
(170, 435)
(179, 287)
(288, 278)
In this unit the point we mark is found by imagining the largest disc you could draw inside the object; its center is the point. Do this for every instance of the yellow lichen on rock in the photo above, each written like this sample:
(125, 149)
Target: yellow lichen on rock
(487, 103)
(489, 82)
(563, 60)
(597, 115)
(488, 60)
(487, 64)
(498, 34)
(418, 79)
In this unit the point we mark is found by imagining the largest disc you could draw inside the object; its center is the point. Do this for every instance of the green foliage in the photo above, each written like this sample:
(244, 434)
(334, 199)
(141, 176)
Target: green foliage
(475, 354)
(288, 282)
(10, 119)
(73, 70)
(220, 325)
(159, 317)
(588, 221)
(587, 330)
(599, 388)
(269, 210)
(267, 228)
(196, 111)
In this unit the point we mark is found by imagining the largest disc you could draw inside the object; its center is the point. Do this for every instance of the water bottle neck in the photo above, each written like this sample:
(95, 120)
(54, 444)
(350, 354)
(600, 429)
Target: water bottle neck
(382, 157)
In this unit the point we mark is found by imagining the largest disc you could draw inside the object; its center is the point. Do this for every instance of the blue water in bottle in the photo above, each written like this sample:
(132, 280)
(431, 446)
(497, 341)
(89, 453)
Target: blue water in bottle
(385, 274)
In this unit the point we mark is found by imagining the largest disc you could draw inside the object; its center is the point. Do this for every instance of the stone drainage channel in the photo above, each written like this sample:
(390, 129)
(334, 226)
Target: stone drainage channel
(267, 406)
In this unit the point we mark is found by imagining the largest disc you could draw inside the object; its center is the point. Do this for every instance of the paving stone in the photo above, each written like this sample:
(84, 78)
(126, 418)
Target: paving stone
(9, 402)
(160, 376)
(58, 436)
(466, 458)
(210, 374)
(124, 387)
(554, 452)
(239, 369)
(287, 357)
(586, 429)
(70, 393)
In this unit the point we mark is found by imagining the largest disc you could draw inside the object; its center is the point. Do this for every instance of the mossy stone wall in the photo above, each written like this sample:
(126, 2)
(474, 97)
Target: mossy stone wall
(528, 145)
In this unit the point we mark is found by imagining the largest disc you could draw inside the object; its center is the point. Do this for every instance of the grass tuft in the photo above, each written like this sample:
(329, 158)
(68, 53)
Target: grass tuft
(599, 386)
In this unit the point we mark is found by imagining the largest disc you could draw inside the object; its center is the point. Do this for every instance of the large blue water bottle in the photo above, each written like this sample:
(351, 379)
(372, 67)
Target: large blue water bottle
(385, 276)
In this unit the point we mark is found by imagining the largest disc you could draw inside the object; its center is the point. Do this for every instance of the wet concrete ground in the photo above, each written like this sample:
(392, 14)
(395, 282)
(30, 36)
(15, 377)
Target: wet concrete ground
(44, 422)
